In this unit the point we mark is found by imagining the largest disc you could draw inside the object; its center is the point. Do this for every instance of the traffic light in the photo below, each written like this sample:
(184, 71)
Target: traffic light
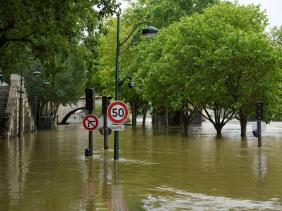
(259, 110)
(105, 103)
(89, 99)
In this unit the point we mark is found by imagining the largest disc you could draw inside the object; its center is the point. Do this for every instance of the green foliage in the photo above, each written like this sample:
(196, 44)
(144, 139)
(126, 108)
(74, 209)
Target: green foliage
(221, 59)
(163, 13)
(60, 37)
(133, 59)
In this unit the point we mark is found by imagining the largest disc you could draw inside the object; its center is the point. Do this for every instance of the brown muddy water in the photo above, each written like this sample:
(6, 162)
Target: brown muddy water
(157, 170)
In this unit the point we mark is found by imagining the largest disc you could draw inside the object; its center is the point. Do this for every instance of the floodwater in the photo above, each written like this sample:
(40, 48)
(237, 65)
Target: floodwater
(157, 170)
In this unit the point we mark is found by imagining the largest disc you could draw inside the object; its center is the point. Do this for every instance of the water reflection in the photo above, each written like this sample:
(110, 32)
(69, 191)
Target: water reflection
(260, 172)
(118, 202)
(17, 163)
(89, 187)
(102, 188)
(260, 165)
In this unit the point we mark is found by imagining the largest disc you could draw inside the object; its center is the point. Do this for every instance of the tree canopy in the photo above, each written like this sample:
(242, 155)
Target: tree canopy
(219, 59)
(59, 37)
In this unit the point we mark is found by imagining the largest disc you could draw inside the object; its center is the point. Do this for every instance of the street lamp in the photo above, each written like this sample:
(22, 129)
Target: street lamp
(1, 77)
(148, 31)
(36, 102)
(130, 83)
(45, 82)
(35, 73)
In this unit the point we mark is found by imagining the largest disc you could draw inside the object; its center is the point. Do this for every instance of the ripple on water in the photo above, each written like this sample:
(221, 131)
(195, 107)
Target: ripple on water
(173, 199)
(140, 162)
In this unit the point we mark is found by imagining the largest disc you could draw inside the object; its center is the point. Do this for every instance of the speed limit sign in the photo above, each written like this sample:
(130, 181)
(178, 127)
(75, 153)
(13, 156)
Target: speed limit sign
(117, 112)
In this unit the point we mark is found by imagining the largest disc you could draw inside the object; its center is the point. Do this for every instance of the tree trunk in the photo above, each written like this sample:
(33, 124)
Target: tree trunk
(218, 130)
(144, 117)
(166, 118)
(134, 113)
(185, 122)
(181, 123)
(243, 124)
(54, 112)
(153, 119)
(156, 120)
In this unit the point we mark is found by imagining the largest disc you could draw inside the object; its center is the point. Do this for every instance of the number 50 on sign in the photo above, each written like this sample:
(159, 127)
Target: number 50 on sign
(117, 112)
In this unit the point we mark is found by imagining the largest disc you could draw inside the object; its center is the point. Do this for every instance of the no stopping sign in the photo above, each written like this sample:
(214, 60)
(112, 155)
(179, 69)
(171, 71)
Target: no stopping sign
(90, 122)
(117, 112)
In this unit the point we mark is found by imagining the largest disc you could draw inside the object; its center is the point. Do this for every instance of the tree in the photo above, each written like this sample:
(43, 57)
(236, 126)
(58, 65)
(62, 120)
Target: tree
(163, 13)
(28, 21)
(220, 60)
(157, 14)
(60, 37)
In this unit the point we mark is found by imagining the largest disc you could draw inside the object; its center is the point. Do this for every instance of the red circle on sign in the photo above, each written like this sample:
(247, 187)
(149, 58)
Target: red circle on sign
(117, 112)
(90, 122)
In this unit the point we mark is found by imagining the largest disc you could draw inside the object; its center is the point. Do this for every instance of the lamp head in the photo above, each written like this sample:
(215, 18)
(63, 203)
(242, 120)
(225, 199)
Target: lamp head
(149, 31)
(45, 82)
(131, 83)
(36, 73)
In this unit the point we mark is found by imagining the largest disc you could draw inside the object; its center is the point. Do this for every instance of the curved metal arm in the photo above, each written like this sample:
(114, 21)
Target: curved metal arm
(122, 81)
(127, 38)
(131, 42)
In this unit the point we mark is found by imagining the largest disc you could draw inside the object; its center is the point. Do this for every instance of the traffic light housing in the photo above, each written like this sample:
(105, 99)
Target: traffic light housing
(89, 101)
(259, 110)
(105, 103)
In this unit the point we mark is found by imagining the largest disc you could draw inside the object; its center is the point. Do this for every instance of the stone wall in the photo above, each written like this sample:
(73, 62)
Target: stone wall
(12, 110)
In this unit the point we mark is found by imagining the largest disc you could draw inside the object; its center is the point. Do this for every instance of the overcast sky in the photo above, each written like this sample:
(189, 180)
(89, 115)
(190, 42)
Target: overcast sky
(273, 9)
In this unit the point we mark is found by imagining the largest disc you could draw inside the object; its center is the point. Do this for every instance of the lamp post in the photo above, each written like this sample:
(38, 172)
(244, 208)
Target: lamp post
(20, 122)
(149, 31)
(1, 77)
(21, 105)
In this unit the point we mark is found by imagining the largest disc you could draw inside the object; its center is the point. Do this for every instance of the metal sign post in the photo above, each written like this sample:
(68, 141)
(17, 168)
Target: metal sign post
(117, 112)
(105, 104)
(90, 106)
(259, 117)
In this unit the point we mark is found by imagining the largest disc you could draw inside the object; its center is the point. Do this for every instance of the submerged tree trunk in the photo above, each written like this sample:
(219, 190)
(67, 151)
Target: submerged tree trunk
(243, 124)
(144, 118)
(153, 118)
(181, 123)
(218, 130)
(221, 117)
(54, 112)
(185, 123)
(166, 117)
(156, 120)
(134, 113)
(188, 117)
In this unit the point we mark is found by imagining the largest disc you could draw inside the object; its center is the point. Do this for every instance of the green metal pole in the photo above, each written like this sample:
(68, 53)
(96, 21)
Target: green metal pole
(116, 138)
(20, 106)
(259, 132)
(105, 120)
